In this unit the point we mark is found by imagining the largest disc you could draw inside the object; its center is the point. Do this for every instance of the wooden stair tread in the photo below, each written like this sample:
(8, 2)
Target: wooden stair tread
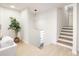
(65, 43)
(65, 38)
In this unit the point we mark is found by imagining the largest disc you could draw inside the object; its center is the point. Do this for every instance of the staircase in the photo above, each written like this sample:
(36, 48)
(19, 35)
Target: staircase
(66, 37)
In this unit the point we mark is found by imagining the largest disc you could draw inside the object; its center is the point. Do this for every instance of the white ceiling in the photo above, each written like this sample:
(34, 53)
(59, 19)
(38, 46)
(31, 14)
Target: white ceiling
(39, 6)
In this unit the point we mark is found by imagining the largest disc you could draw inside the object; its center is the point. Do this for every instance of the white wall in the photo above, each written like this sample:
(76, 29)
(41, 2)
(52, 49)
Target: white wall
(71, 18)
(26, 18)
(68, 13)
(34, 35)
(47, 21)
(60, 19)
(25, 25)
(5, 20)
(78, 26)
(65, 20)
(28, 32)
(22, 17)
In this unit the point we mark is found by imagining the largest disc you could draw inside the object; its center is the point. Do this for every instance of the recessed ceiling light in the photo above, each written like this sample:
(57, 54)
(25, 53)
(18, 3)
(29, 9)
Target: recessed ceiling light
(12, 6)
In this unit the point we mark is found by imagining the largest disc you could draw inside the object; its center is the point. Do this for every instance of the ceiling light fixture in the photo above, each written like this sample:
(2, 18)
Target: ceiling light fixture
(35, 11)
(12, 6)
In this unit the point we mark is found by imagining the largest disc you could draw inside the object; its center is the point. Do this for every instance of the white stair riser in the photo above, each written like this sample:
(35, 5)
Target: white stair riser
(66, 36)
(68, 27)
(67, 33)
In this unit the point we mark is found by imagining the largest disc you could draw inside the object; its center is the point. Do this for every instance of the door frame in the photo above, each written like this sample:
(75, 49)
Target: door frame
(74, 48)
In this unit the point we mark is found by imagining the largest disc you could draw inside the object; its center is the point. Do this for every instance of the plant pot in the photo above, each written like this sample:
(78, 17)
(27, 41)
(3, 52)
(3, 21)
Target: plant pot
(16, 40)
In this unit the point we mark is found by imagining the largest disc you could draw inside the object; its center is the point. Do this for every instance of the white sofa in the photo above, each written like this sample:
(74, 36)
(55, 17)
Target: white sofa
(7, 47)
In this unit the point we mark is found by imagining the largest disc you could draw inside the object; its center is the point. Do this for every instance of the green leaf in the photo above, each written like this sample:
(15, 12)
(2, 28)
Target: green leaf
(14, 25)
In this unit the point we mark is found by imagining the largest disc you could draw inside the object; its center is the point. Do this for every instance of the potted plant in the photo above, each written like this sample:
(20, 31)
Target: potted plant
(15, 26)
